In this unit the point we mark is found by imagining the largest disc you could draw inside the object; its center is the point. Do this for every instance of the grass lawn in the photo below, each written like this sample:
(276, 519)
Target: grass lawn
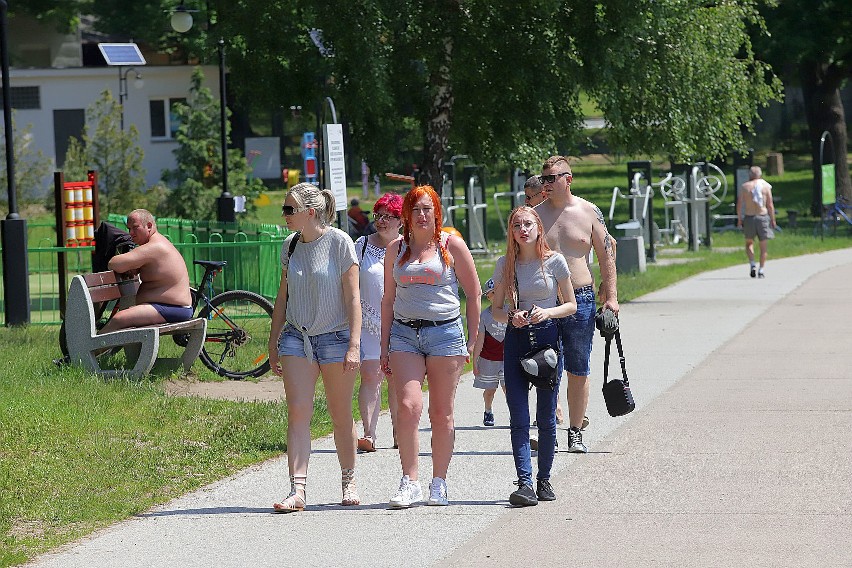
(78, 453)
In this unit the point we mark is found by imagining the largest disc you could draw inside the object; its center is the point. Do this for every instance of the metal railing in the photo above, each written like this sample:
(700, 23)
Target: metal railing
(251, 251)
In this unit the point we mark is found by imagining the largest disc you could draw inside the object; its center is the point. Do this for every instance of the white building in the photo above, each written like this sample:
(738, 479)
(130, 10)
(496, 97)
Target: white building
(51, 90)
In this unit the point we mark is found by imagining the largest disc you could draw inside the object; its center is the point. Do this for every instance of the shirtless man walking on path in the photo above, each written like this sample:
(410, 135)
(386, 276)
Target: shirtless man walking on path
(163, 296)
(756, 215)
(573, 226)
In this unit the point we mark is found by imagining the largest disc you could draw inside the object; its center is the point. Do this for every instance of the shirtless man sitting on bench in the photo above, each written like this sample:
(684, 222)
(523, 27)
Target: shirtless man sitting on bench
(163, 296)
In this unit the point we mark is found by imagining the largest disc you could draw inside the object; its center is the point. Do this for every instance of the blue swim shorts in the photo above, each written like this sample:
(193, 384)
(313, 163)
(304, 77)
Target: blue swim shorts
(172, 313)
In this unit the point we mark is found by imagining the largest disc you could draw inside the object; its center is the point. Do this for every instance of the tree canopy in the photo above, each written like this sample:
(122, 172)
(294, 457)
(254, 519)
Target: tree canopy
(810, 44)
(493, 79)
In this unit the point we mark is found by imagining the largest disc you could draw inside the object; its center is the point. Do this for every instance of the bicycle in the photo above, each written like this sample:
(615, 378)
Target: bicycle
(838, 211)
(238, 326)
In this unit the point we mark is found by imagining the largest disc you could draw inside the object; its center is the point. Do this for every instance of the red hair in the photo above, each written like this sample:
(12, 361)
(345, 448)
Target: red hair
(513, 248)
(390, 201)
(411, 198)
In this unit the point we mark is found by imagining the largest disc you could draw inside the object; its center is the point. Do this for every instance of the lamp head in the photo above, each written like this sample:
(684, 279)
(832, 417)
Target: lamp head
(181, 19)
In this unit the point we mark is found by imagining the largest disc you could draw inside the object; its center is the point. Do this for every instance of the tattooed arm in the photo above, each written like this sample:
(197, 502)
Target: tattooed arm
(604, 246)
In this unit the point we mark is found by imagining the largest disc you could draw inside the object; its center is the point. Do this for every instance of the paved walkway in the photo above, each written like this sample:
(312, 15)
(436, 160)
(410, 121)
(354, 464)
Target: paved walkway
(738, 454)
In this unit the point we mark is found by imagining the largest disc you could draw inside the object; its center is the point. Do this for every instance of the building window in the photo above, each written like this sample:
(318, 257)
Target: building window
(164, 119)
(26, 98)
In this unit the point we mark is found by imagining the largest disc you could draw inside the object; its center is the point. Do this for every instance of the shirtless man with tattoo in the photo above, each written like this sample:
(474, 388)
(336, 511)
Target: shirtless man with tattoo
(573, 226)
(163, 295)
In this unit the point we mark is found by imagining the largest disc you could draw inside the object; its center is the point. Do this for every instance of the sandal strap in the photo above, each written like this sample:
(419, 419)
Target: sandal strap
(295, 501)
(350, 492)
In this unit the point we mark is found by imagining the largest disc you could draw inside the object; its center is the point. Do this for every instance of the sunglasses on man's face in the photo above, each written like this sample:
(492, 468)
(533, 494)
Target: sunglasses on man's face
(288, 210)
(550, 178)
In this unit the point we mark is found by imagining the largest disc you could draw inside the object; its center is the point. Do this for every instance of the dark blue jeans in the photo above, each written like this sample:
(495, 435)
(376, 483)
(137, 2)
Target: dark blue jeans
(519, 342)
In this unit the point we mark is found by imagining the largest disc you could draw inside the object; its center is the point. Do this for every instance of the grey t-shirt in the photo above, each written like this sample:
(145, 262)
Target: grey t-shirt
(537, 281)
(315, 303)
(494, 328)
(426, 291)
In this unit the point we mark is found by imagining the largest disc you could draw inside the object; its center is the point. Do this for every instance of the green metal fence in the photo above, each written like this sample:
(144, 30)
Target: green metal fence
(251, 251)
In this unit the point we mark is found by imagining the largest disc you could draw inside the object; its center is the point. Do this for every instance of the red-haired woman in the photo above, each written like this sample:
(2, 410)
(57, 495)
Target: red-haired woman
(387, 218)
(537, 284)
(422, 335)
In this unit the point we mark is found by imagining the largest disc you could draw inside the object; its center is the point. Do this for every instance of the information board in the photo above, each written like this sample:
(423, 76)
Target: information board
(335, 164)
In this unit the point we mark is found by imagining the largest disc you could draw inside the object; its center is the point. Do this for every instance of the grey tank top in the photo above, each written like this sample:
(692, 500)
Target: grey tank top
(426, 290)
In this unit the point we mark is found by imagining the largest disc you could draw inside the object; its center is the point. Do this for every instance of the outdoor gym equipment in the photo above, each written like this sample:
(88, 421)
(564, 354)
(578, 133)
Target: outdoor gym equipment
(689, 191)
(705, 191)
(517, 178)
(673, 192)
(640, 199)
(471, 202)
(692, 192)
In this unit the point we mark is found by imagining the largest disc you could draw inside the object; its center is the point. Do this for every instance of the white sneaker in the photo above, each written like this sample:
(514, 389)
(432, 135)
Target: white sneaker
(438, 492)
(408, 494)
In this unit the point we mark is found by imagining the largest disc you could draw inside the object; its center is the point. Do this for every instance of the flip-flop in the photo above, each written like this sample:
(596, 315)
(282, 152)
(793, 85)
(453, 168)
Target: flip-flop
(366, 445)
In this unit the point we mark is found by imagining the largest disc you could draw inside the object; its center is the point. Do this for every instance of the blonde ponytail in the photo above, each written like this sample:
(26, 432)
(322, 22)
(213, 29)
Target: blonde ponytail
(330, 210)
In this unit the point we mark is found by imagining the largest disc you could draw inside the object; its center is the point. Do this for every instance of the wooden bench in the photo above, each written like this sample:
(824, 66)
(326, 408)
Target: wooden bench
(141, 344)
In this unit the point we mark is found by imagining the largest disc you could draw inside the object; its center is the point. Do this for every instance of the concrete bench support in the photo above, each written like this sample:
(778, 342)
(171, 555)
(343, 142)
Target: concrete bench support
(141, 345)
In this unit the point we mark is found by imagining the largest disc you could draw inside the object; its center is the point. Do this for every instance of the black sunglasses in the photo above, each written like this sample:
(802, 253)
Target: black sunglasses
(288, 210)
(550, 178)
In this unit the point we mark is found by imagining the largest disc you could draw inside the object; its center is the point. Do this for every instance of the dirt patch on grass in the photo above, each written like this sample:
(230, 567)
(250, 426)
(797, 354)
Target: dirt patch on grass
(266, 389)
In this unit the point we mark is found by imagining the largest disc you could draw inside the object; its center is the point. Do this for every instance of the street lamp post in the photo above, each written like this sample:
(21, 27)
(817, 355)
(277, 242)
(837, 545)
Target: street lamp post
(122, 87)
(181, 22)
(225, 202)
(16, 284)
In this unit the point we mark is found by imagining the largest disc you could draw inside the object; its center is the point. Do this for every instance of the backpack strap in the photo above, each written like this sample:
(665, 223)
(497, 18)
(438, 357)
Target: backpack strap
(296, 236)
(364, 247)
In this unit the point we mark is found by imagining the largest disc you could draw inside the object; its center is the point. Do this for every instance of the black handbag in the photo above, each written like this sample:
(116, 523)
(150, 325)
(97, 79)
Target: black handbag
(606, 321)
(617, 394)
(539, 366)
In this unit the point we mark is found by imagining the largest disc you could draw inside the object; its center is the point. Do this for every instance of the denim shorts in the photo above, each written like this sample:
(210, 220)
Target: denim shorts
(370, 349)
(430, 341)
(326, 347)
(577, 332)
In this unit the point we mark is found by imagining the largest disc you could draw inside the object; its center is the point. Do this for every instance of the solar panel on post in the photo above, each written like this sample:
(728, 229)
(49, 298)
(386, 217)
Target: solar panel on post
(121, 53)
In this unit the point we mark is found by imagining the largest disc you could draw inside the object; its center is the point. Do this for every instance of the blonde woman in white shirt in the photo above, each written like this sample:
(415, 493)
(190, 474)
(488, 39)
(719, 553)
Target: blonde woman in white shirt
(316, 329)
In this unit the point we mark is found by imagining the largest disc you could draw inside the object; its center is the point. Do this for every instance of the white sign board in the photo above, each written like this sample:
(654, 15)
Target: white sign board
(264, 156)
(335, 164)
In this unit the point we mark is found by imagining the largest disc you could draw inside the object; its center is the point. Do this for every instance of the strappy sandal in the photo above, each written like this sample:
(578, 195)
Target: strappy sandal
(366, 445)
(295, 502)
(350, 493)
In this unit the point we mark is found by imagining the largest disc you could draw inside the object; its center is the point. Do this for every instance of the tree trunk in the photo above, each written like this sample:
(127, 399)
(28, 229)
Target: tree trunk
(440, 118)
(824, 111)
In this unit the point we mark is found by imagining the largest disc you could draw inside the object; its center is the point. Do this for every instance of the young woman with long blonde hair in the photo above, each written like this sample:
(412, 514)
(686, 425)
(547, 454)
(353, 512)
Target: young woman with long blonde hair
(535, 283)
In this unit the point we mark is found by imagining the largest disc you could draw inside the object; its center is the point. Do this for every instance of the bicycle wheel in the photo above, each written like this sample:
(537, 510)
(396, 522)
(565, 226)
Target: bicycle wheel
(238, 326)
